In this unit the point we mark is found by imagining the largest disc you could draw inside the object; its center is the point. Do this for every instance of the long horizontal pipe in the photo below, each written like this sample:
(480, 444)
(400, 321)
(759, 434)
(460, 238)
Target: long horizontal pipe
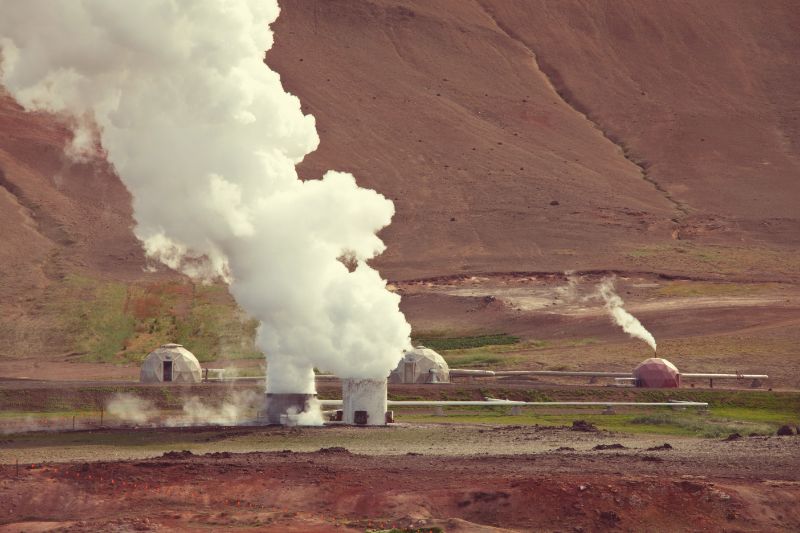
(489, 373)
(500, 403)
(471, 372)
(725, 376)
(690, 375)
(561, 373)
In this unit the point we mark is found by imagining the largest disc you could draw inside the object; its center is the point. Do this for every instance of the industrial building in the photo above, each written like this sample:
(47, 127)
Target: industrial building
(421, 365)
(171, 363)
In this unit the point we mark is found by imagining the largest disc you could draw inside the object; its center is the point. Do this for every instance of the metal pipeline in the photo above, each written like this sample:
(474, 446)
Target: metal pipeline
(512, 403)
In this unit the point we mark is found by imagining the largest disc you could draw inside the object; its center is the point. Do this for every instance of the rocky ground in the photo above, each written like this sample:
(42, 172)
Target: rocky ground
(456, 478)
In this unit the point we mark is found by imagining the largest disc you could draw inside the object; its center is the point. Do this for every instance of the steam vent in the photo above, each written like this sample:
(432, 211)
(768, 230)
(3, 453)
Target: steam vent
(364, 402)
(657, 373)
(279, 406)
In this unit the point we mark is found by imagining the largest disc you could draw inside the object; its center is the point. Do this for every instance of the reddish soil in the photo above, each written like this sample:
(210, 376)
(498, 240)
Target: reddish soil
(334, 490)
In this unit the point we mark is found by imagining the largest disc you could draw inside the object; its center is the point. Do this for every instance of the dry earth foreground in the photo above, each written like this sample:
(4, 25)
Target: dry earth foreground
(534, 479)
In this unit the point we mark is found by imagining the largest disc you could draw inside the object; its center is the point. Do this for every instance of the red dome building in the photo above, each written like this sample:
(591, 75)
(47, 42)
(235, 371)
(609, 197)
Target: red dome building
(657, 373)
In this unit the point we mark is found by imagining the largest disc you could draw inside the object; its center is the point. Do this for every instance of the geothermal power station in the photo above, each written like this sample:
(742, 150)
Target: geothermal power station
(399, 266)
(364, 402)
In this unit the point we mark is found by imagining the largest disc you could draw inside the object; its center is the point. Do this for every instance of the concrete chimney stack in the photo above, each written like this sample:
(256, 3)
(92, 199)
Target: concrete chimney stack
(364, 401)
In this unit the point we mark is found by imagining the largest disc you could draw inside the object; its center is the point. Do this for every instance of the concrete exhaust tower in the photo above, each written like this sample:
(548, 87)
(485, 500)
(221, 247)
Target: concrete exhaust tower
(364, 401)
(281, 405)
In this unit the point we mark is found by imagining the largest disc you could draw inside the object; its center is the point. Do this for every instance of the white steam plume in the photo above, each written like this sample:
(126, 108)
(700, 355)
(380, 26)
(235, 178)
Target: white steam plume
(311, 415)
(238, 409)
(569, 292)
(206, 139)
(130, 408)
(629, 323)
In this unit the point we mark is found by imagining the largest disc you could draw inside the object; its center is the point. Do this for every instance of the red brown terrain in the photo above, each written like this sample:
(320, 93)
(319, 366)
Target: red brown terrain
(512, 136)
(638, 136)
(332, 489)
(520, 140)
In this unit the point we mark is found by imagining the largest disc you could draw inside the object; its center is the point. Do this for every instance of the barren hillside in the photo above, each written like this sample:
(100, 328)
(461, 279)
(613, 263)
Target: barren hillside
(655, 126)
(512, 135)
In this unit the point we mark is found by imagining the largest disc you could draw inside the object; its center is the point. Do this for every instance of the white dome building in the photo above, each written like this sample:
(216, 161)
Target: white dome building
(421, 365)
(657, 373)
(171, 363)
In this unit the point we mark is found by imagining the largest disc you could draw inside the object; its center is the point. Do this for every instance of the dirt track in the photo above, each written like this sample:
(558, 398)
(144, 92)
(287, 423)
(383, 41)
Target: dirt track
(744, 485)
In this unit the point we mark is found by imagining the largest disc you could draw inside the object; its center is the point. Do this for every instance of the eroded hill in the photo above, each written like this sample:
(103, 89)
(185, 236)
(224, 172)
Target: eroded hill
(511, 135)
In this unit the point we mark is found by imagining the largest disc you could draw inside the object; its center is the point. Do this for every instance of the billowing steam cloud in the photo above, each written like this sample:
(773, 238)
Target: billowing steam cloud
(629, 323)
(239, 408)
(206, 139)
(235, 410)
(130, 408)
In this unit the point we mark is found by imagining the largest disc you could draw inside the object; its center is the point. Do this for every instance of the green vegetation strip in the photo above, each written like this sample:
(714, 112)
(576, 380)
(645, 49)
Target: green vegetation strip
(461, 343)
(113, 322)
(714, 423)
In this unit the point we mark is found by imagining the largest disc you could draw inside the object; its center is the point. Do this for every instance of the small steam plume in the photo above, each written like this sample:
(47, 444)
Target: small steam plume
(28, 423)
(629, 323)
(202, 133)
(237, 410)
(240, 408)
(568, 292)
(310, 416)
(130, 408)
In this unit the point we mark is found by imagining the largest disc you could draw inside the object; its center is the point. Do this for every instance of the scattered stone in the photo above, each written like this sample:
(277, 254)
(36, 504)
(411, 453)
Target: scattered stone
(219, 455)
(334, 449)
(185, 454)
(652, 459)
(691, 487)
(615, 446)
(413, 454)
(564, 449)
(785, 431)
(610, 517)
(481, 496)
(583, 425)
(665, 446)
(555, 202)
(732, 437)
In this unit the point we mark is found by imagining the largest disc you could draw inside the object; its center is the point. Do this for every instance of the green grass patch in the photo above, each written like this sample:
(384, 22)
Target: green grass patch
(710, 425)
(107, 321)
(154, 439)
(474, 360)
(689, 422)
(92, 314)
(462, 343)
(699, 288)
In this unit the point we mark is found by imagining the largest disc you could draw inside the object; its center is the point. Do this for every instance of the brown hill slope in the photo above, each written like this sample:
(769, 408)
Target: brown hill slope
(476, 111)
(447, 115)
(704, 95)
(513, 136)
